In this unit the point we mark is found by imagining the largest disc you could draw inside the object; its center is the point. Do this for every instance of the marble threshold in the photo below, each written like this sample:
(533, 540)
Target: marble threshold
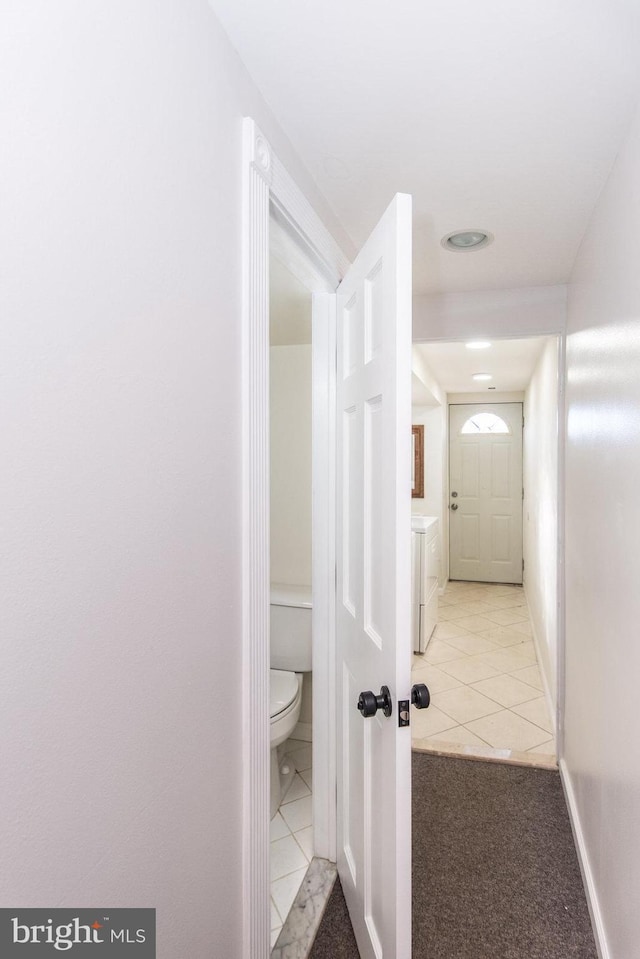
(301, 925)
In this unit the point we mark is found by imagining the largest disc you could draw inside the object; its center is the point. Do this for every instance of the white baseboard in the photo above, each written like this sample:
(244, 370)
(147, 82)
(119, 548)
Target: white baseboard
(585, 866)
(442, 588)
(303, 731)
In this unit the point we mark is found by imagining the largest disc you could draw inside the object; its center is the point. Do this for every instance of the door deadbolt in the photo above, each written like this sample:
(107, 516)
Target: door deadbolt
(369, 703)
(454, 494)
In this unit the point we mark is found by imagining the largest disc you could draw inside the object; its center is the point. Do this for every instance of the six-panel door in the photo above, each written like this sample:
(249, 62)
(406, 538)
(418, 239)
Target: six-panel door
(373, 625)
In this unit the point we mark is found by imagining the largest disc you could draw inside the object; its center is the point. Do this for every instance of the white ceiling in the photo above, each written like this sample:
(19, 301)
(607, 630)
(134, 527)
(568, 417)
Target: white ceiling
(498, 115)
(510, 362)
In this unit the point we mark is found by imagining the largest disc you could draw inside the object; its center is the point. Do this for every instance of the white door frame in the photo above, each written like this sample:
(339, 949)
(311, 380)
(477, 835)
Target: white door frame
(266, 186)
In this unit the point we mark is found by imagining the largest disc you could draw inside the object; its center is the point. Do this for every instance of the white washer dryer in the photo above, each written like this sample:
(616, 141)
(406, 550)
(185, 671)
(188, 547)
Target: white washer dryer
(425, 566)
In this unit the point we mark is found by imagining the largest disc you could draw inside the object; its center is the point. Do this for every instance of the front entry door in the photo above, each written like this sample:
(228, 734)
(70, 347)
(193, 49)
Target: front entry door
(373, 628)
(485, 492)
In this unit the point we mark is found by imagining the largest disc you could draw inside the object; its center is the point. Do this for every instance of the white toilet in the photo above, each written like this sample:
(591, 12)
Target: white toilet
(290, 657)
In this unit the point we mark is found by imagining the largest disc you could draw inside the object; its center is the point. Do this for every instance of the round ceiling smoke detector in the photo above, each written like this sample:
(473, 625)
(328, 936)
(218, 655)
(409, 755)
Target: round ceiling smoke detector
(460, 241)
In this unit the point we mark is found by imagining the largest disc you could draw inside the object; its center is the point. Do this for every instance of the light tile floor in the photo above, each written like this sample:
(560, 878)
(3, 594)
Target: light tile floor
(291, 837)
(481, 668)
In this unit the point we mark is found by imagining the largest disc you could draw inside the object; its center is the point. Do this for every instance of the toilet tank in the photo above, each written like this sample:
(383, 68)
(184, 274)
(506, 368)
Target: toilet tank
(291, 627)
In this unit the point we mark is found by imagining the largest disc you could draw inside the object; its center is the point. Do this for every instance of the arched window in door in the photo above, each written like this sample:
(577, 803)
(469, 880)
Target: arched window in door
(485, 423)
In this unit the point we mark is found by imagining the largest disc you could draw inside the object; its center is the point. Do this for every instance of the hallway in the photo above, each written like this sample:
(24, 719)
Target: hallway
(487, 697)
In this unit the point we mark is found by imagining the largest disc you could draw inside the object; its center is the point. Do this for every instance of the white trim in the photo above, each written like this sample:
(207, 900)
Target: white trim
(585, 864)
(293, 209)
(255, 541)
(323, 351)
(284, 247)
(561, 582)
(266, 184)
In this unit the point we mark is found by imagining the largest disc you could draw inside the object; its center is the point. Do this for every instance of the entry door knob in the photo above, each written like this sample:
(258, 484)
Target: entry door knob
(369, 703)
(420, 696)
(454, 506)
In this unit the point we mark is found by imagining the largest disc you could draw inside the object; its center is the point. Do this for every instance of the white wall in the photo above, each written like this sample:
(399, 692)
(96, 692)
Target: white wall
(525, 311)
(290, 439)
(433, 417)
(433, 421)
(602, 758)
(540, 527)
(291, 464)
(512, 396)
(120, 765)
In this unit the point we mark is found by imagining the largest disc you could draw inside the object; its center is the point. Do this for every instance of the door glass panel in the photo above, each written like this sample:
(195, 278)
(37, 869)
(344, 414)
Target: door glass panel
(485, 423)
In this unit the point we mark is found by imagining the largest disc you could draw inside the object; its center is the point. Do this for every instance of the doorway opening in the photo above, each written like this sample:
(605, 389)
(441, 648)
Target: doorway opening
(374, 305)
(290, 549)
(491, 482)
(271, 196)
(301, 549)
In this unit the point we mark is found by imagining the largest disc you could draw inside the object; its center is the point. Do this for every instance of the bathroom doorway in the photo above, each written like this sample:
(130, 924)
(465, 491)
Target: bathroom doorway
(268, 189)
(290, 366)
(298, 544)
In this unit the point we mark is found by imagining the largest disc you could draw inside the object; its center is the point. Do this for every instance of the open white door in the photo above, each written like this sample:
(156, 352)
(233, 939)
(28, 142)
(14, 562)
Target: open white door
(373, 628)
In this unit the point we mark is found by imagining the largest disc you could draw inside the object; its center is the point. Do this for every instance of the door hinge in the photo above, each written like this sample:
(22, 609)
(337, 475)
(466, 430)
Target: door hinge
(523, 492)
(523, 566)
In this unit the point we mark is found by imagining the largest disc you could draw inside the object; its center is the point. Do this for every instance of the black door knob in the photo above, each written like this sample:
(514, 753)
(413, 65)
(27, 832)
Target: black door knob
(369, 703)
(420, 696)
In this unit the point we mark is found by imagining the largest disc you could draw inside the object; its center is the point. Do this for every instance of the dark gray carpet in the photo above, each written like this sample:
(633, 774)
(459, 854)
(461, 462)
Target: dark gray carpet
(495, 872)
(335, 938)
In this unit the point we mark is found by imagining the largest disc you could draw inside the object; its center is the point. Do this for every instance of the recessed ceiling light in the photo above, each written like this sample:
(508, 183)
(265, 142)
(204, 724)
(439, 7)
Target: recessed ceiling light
(482, 376)
(460, 241)
(478, 345)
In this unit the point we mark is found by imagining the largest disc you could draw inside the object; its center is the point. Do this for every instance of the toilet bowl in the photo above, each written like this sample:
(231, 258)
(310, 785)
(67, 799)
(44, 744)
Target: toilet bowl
(290, 642)
(284, 711)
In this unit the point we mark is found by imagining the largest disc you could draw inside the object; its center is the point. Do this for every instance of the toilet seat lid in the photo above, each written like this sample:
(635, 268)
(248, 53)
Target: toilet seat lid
(283, 690)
